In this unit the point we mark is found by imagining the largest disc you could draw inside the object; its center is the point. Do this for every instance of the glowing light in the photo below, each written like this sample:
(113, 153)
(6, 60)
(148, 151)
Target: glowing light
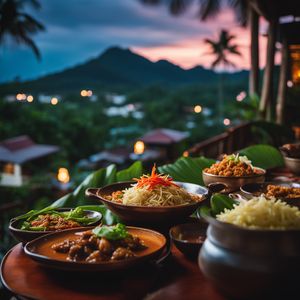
(20, 97)
(29, 98)
(89, 93)
(241, 96)
(298, 74)
(139, 147)
(226, 122)
(54, 101)
(185, 154)
(290, 83)
(63, 175)
(197, 109)
(84, 93)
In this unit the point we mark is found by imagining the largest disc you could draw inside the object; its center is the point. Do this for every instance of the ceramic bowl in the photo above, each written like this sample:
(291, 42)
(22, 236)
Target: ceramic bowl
(189, 237)
(233, 183)
(293, 164)
(25, 236)
(144, 214)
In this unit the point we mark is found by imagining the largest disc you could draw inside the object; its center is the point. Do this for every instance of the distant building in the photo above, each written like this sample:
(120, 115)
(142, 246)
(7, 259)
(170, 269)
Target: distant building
(118, 156)
(166, 141)
(14, 153)
(115, 98)
(47, 98)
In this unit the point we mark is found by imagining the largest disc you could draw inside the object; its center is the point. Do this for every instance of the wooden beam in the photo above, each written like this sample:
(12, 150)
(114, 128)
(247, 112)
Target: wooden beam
(267, 88)
(282, 85)
(254, 52)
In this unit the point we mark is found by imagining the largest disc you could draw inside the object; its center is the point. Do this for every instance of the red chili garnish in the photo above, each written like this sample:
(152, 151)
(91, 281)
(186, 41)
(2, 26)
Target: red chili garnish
(154, 179)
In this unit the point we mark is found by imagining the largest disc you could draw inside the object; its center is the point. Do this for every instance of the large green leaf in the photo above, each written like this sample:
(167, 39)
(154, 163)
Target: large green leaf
(187, 169)
(99, 178)
(264, 156)
(134, 171)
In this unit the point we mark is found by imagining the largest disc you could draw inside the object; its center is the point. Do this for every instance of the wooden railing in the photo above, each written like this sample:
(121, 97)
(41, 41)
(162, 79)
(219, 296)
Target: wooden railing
(234, 139)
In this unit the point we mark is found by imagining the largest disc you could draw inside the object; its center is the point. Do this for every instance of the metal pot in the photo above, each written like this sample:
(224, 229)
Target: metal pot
(250, 264)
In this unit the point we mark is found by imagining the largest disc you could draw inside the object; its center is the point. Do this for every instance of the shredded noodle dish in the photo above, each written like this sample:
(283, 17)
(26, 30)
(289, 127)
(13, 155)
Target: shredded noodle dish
(154, 190)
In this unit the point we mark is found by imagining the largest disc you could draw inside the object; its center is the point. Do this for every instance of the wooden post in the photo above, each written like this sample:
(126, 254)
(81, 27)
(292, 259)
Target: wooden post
(267, 88)
(254, 52)
(282, 85)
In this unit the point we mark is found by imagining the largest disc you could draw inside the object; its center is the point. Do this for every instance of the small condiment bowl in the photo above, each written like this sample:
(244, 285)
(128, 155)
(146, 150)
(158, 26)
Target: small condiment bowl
(189, 237)
(293, 164)
(25, 236)
(233, 183)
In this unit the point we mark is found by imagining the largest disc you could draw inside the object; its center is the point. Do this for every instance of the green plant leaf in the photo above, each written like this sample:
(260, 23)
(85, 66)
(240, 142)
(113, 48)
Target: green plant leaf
(187, 169)
(264, 156)
(219, 202)
(134, 171)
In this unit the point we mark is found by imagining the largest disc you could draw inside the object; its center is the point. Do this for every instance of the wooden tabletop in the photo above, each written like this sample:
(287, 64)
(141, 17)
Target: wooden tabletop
(177, 278)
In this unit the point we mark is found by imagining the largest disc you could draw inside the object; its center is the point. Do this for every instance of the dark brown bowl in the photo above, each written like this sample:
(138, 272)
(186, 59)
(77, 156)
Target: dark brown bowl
(189, 237)
(233, 183)
(145, 214)
(256, 189)
(25, 236)
(40, 251)
(250, 263)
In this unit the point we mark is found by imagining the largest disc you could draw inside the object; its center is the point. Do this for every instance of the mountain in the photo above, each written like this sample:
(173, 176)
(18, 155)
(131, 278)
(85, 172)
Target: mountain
(116, 68)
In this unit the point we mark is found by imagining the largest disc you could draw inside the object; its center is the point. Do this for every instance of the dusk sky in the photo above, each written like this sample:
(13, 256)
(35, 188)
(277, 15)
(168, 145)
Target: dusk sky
(77, 30)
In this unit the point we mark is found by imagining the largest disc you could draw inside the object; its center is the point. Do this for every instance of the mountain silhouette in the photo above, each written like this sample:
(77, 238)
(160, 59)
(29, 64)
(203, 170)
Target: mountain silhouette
(117, 69)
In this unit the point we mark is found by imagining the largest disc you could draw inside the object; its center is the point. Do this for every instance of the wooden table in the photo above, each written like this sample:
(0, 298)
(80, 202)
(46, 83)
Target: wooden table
(177, 278)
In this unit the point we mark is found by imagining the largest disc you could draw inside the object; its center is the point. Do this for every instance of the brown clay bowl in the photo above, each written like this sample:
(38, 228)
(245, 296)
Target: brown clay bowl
(255, 189)
(146, 214)
(189, 237)
(40, 251)
(233, 183)
(293, 164)
(250, 263)
(25, 236)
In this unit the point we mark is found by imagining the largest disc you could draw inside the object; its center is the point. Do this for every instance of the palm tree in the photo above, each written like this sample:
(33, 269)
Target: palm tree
(18, 24)
(220, 49)
(244, 13)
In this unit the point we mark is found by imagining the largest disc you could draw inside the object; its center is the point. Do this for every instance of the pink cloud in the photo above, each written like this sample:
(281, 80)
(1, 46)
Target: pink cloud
(190, 51)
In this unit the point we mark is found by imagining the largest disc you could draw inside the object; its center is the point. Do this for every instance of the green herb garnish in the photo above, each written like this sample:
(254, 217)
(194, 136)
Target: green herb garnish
(116, 232)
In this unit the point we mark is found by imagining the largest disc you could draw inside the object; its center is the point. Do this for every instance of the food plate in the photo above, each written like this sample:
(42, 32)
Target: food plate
(25, 236)
(40, 250)
(149, 214)
(256, 189)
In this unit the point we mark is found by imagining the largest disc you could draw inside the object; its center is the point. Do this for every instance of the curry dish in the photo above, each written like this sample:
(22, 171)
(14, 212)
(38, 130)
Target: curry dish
(232, 165)
(278, 191)
(90, 247)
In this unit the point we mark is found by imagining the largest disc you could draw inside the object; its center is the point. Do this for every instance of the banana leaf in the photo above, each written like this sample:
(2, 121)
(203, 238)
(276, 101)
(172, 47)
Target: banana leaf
(187, 169)
(99, 178)
(264, 156)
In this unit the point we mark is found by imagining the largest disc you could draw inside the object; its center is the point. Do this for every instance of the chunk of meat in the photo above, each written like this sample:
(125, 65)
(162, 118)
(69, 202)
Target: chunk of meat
(105, 246)
(122, 253)
(64, 246)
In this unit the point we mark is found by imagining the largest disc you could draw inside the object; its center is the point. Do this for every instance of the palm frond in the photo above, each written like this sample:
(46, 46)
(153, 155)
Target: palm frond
(240, 8)
(178, 7)
(28, 41)
(150, 2)
(228, 63)
(209, 8)
(234, 50)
